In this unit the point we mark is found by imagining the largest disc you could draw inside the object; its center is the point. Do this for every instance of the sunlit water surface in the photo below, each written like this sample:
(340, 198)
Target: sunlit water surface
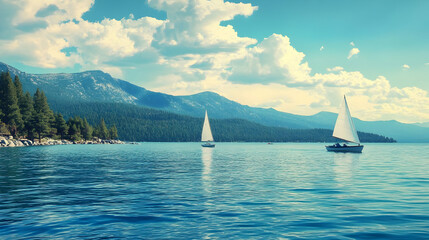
(234, 191)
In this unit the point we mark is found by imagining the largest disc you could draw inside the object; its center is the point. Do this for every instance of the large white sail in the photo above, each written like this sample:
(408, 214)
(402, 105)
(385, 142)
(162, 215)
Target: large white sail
(206, 135)
(344, 127)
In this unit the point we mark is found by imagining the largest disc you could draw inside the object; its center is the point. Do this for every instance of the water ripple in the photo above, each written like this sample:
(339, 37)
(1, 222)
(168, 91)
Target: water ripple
(235, 191)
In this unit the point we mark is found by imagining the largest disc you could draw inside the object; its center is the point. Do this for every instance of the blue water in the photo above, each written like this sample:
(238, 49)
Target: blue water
(234, 191)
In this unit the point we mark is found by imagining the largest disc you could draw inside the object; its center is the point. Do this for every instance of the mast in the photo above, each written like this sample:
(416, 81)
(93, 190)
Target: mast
(206, 135)
(344, 126)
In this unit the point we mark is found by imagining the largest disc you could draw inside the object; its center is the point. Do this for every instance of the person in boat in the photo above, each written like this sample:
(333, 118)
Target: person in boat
(344, 145)
(337, 145)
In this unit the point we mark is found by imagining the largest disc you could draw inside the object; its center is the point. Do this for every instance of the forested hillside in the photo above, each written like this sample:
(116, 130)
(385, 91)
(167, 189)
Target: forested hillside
(97, 86)
(135, 123)
(24, 116)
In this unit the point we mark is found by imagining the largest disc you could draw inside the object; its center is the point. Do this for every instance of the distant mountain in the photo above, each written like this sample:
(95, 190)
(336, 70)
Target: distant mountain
(400, 131)
(137, 123)
(97, 86)
(87, 86)
(425, 124)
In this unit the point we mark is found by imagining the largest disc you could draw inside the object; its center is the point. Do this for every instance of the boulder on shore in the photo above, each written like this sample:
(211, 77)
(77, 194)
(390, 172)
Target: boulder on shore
(4, 142)
(9, 141)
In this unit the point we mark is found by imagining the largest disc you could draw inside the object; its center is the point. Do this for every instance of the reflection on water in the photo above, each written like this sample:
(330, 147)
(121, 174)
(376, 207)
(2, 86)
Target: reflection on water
(236, 191)
(206, 157)
(344, 166)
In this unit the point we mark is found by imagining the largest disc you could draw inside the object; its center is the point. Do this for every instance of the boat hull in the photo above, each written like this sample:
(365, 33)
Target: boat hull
(209, 145)
(353, 149)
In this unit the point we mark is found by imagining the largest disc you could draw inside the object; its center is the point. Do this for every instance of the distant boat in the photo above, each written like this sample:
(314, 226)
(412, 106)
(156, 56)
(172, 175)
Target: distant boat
(345, 130)
(206, 135)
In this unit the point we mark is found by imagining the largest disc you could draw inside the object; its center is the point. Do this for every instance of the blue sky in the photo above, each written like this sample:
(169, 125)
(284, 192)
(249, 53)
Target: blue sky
(391, 32)
(297, 56)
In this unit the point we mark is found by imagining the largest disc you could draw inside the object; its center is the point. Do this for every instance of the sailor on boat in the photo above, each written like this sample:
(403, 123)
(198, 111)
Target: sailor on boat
(206, 134)
(345, 130)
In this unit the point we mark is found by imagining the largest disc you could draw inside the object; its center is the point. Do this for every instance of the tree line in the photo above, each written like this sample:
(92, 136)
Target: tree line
(136, 123)
(23, 115)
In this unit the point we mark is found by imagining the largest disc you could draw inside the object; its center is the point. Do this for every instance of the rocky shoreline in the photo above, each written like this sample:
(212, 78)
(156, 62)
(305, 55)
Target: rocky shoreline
(9, 141)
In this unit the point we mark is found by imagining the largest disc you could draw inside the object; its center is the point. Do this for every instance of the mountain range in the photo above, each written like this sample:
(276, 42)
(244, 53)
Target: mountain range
(97, 86)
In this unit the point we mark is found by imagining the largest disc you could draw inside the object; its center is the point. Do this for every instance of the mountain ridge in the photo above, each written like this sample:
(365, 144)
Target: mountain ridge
(98, 86)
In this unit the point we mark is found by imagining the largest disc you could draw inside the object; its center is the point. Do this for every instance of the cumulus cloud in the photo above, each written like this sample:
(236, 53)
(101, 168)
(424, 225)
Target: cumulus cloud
(39, 31)
(274, 74)
(95, 44)
(191, 51)
(47, 11)
(405, 67)
(353, 51)
(194, 26)
(273, 60)
(51, 11)
(376, 99)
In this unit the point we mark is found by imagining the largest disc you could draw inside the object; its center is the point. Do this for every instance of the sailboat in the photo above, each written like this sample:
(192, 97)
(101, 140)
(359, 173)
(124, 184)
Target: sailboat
(345, 130)
(206, 135)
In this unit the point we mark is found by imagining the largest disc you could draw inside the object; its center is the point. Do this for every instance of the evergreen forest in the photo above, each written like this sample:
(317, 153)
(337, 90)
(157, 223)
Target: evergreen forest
(25, 116)
(136, 123)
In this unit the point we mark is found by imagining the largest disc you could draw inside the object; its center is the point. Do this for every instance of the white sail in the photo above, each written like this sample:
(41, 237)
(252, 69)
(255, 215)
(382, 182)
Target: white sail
(344, 127)
(206, 135)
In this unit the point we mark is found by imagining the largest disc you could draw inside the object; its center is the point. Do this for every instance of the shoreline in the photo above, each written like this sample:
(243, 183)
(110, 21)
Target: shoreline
(9, 141)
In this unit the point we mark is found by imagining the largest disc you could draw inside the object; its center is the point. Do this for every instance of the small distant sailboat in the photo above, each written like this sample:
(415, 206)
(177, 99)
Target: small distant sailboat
(345, 130)
(206, 135)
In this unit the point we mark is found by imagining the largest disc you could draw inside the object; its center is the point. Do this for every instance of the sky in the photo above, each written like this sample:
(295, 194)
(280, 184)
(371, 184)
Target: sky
(296, 56)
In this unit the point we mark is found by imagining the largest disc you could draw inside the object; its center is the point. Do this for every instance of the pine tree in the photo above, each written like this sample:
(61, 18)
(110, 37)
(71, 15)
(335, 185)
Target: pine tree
(3, 129)
(41, 116)
(61, 125)
(21, 102)
(52, 123)
(86, 130)
(113, 132)
(12, 116)
(79, 123)
(74, 132)
(1, 94)
(19, 91)
(102, 131)
(27, 111)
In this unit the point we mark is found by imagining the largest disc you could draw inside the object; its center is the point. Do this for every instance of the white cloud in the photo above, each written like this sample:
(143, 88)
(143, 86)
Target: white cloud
(191, 34)
(405, 67)
(369, 99)
(65, 10)
(335, 69)
(272, 60)
(273, 74)
(194, 26)
(353, 51)
(95, 44)
(191, 52)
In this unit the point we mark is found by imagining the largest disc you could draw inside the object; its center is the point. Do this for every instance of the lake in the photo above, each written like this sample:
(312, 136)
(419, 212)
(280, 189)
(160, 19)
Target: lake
(234, 191)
